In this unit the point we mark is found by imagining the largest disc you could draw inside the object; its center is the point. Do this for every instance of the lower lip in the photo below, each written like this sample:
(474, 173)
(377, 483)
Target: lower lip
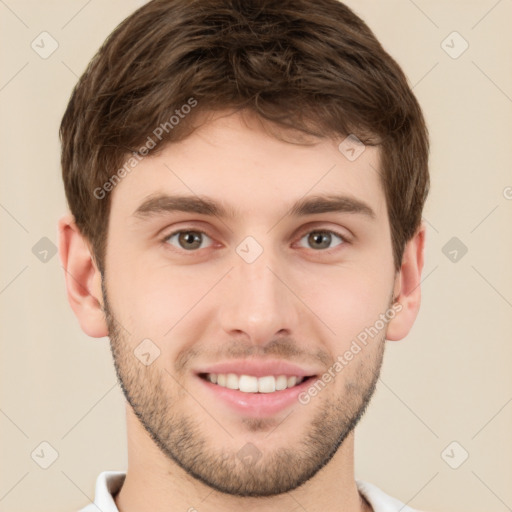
(257, 405)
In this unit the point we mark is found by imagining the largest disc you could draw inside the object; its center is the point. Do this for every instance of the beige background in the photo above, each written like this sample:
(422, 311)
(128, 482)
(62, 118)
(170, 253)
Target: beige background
(450, 380)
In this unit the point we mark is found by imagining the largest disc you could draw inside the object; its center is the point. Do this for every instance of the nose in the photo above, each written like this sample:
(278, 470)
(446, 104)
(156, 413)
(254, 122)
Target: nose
(258, 300)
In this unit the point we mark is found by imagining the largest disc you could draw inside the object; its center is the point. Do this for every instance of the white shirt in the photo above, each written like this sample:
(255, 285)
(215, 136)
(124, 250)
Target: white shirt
(108, 484)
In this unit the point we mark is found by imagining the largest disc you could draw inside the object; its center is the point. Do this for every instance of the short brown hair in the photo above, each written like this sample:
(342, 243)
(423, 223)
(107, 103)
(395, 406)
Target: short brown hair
(311, 65)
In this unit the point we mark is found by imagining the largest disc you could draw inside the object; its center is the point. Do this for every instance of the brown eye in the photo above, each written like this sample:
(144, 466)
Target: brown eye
(188, 240)
(322, 239)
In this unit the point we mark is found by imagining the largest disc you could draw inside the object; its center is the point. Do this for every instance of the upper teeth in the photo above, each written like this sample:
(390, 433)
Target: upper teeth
(250, 384)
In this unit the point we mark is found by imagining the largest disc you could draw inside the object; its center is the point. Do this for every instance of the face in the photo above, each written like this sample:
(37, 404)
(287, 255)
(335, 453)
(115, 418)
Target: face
(269, 285)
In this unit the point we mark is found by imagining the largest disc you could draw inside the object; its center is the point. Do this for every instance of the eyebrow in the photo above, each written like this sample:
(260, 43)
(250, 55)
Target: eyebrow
(159, 204)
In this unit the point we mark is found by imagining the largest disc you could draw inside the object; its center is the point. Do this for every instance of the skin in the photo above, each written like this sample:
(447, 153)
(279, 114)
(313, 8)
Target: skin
(294, 302)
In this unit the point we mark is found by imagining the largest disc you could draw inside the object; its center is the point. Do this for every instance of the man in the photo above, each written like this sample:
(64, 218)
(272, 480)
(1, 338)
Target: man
(245, 181)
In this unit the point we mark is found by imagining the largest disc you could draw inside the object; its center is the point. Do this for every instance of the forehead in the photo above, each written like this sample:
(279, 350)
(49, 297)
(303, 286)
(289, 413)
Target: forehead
(245, 169)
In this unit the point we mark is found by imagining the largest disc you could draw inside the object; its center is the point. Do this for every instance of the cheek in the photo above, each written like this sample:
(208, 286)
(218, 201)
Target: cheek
(156, 301)
(348, 301)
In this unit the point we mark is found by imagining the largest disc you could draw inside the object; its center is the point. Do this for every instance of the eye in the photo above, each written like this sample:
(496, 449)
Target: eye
(192, 240)
(188, 240)
(321, 238)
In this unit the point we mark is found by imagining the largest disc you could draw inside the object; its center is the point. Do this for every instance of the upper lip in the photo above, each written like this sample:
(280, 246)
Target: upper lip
(258, 368)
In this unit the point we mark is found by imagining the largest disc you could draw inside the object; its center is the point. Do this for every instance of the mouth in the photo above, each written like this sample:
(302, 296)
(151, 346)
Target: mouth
(257, 389)
(263, 395)
(252, 384)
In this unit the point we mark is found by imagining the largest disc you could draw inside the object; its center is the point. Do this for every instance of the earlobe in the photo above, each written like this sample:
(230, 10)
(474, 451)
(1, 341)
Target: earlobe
(82, 277)
(407, 287)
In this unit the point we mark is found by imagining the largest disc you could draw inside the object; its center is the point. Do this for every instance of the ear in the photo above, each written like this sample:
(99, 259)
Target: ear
(83, 279)
(407, 289)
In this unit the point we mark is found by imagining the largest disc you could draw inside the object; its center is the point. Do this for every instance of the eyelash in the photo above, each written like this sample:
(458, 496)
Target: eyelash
(195, 230)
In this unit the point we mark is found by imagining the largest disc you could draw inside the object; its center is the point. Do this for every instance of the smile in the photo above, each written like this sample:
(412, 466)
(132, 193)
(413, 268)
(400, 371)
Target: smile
(252, 384)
